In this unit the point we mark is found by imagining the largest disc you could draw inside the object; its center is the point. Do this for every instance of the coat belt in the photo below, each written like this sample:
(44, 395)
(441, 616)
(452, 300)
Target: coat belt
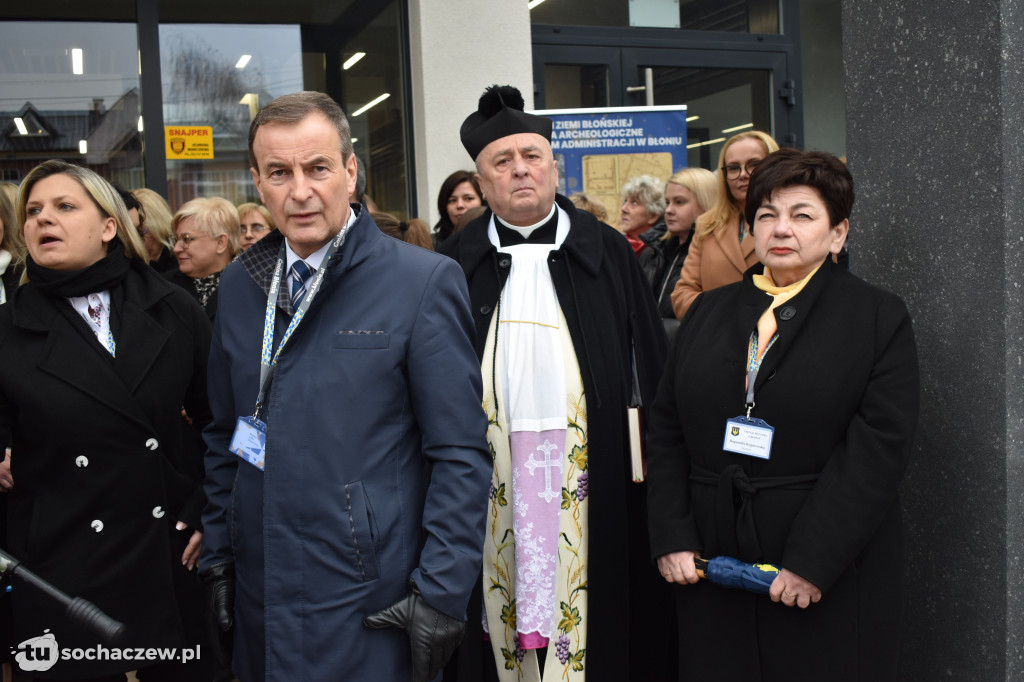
(737, 532)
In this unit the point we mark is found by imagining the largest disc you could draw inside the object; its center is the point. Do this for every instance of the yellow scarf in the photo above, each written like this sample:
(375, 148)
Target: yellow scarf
(766, 325)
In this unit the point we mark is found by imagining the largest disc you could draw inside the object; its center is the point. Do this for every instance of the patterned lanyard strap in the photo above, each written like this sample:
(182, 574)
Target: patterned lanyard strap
(268, 357)
(754, 365)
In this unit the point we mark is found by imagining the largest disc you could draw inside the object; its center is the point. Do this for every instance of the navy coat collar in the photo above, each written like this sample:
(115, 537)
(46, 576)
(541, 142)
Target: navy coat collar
(261, 258)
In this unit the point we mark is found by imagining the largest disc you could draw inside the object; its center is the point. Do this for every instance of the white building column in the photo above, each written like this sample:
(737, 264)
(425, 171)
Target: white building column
(457, 49)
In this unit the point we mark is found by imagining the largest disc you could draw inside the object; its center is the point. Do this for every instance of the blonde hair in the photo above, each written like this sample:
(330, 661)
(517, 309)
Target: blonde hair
(158, 216)
(10, 189)
(724, 212)
(102, 193)
(213, 217)
(585, 202)
(247, 208)
(701, 182)
(13, 241)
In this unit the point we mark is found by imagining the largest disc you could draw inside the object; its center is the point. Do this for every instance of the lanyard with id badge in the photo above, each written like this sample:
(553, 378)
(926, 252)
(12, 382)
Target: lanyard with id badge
(746, 435)
(249, 440)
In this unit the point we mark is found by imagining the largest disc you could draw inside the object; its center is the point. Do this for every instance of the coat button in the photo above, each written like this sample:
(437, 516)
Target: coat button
(152, 444)
(97, 525)
(158, 512)
(485, 310)
(787, 313)
(81, 461)
(504, 262)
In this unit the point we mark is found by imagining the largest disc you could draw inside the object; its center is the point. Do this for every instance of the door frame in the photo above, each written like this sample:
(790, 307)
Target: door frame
(624, 50)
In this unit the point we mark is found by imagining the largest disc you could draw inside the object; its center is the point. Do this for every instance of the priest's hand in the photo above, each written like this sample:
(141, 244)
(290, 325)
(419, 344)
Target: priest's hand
(432, 634)
(792, 590)
(678, 567)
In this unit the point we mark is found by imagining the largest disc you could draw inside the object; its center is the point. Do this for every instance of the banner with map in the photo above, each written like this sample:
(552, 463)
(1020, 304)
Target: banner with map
(597, 150)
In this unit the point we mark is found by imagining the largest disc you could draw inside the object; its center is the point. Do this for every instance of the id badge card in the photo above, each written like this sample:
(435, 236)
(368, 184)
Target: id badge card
(747, 436)
(250, 441)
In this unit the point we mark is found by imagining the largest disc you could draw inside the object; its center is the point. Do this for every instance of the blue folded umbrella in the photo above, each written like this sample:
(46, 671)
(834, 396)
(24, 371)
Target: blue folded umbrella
(725, 571)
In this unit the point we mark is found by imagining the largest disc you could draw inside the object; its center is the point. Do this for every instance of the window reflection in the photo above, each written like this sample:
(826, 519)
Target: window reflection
(219, 76)
(373, 97)
(70, 90)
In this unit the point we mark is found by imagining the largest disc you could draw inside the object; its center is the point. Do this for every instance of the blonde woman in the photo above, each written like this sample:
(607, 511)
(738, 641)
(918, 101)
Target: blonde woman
(255, 223)
(12, 249)
(722, 247)
(688, 194)
(106, 487)
(155, 228)
(206, 238)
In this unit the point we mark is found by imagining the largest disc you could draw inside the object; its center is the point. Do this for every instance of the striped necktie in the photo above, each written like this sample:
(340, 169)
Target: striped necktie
(299, 273)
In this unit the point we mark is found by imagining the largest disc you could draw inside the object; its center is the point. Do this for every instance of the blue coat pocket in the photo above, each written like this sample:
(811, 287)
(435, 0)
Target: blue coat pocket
(363, 527)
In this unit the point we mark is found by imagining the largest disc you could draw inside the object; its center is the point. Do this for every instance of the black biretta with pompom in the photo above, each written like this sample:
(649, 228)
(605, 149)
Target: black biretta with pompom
(499, 114)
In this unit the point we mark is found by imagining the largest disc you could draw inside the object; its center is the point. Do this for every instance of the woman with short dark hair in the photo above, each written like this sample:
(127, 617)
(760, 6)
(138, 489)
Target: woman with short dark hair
(780, 433)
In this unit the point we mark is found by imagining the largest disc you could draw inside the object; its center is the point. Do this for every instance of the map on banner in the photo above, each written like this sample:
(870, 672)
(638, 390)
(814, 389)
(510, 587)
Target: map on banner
(597, 150)
(604, 175)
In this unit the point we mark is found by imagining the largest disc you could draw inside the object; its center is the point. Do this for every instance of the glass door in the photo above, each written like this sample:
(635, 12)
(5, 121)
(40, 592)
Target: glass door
(725, 91)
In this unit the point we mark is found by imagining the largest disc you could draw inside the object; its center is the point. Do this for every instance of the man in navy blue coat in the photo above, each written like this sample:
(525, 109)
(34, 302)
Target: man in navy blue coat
(367, 502)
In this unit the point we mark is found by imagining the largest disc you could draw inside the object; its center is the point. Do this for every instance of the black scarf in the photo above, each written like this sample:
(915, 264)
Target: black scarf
(102, 275)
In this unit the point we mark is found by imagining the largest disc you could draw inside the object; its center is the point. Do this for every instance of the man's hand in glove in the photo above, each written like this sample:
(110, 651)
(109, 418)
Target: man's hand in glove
(432, 634)
(219, 581)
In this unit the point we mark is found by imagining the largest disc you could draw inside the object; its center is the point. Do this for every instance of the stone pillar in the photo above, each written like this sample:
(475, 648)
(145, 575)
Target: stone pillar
(457, 49)
(935, 126)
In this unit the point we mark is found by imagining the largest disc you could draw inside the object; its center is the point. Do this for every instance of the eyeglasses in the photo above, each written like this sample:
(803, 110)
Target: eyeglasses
(733, 170)
(254, 229)
(187, 239)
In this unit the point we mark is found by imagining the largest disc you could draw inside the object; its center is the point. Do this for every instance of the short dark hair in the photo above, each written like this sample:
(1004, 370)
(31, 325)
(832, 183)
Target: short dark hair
(127, 197)
(790, 168)
(297, 106)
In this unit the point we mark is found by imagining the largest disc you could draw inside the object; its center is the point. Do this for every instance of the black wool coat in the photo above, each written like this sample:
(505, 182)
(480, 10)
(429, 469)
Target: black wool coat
(607, 302)
(101, 460)
(840, 388)
(179, 278)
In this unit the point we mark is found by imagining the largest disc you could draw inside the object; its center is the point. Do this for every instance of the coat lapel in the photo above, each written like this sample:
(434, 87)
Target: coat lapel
(790, 318)
(138, 346)
(140, 343)
(735, 251)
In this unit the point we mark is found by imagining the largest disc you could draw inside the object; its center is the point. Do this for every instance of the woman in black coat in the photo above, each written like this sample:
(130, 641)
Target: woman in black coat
(206, 238)
(686, 194)
(833, 367)
(107, 496)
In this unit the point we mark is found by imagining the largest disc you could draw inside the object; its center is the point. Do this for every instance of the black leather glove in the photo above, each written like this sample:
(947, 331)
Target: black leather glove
(432, 634)
(219, 581)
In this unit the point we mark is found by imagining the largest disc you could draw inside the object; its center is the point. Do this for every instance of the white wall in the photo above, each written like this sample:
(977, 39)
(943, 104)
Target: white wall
(457, 49)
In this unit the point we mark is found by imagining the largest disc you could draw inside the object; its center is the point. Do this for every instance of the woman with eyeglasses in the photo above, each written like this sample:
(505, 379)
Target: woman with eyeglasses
(722, 247)
(105, 490)
(255, 223)
(205, 240)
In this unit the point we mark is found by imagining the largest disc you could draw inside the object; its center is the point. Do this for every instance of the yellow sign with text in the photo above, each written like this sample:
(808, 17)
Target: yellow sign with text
(189, 142)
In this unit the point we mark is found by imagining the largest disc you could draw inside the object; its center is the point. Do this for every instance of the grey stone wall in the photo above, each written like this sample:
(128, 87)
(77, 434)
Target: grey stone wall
(935, 129)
